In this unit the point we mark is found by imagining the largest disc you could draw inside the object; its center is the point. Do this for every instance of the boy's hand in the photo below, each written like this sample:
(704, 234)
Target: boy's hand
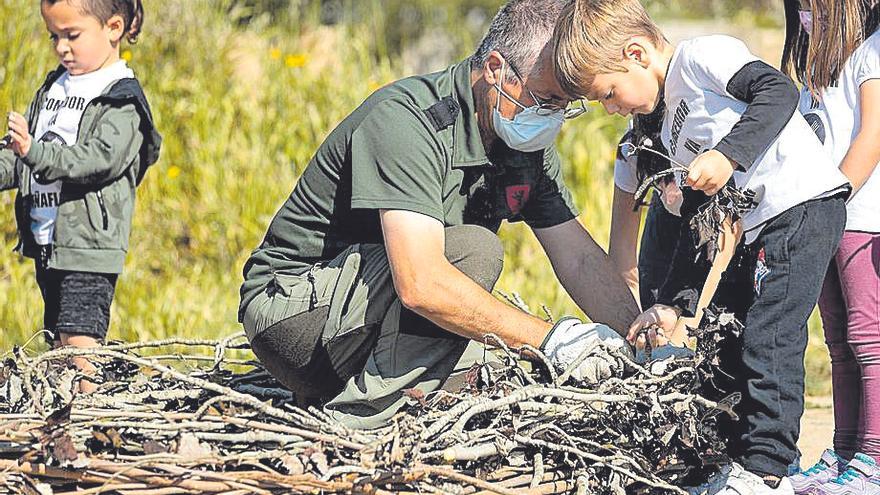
(710, 171)
(20, 134)
(659, 315)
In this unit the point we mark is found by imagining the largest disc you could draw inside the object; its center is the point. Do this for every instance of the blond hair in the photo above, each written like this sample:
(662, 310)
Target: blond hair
(591, 36)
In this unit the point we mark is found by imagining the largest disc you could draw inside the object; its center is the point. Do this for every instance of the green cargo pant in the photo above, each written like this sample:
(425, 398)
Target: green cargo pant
(339, 336)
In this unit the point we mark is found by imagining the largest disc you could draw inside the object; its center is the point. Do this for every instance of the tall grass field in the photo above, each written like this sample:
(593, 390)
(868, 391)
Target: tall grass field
(243, 92)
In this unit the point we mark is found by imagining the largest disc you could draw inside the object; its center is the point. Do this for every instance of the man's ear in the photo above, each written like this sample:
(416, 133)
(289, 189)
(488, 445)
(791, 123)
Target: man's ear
(637, 51)
(116, 28)
(492, 68)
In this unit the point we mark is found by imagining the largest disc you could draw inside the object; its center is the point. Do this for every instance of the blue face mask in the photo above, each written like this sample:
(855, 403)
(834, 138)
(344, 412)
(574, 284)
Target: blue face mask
(528, 131)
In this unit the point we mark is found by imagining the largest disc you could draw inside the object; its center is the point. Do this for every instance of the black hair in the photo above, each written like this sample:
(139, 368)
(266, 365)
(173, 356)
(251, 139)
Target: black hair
(131, 11)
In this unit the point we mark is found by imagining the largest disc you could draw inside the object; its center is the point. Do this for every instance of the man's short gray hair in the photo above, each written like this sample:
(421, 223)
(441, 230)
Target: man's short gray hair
(520, 31)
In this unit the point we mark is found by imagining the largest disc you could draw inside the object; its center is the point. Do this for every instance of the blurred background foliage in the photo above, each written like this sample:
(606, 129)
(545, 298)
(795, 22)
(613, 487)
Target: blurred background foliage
(245, 90)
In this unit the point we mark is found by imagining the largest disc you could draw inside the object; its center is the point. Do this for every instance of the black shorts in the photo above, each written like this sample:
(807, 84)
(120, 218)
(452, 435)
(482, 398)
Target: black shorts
(76, 303)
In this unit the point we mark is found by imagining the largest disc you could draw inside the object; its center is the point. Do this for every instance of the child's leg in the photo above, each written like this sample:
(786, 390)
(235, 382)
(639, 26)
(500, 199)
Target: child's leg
(84, 365)
(84, 313)
(845, 373)
(49, 288)
(792, 256)
(858, 262)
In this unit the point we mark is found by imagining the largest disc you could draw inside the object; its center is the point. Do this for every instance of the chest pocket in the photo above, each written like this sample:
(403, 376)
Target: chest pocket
(495, 194)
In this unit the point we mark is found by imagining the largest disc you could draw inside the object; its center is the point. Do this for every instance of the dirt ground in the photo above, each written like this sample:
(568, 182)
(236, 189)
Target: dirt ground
(817, 430)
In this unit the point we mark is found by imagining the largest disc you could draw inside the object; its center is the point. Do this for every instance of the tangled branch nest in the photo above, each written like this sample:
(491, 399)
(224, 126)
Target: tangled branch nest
(169, 419)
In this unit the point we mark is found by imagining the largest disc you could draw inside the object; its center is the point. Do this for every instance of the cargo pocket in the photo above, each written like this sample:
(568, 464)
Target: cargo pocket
(341, 276)
(347, 338)
(293, 295)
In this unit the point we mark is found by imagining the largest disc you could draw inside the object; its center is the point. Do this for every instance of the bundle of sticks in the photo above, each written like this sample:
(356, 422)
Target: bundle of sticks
(189, 416)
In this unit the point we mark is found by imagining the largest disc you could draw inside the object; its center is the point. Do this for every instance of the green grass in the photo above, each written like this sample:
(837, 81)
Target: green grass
(242, 107)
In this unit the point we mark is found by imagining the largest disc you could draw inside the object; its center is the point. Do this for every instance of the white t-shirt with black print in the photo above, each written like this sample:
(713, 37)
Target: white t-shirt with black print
(837, 119)
(58, 122)
(702, 111)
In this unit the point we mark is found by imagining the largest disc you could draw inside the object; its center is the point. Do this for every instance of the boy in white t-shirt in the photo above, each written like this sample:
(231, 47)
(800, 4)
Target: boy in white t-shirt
(729, 117)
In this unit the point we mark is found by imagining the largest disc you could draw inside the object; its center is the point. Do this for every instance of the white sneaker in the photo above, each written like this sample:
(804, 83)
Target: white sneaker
(742, 482)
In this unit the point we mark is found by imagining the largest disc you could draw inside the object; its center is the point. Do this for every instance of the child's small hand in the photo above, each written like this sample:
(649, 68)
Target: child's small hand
(658, 315)
(20, 134)
(710, 171)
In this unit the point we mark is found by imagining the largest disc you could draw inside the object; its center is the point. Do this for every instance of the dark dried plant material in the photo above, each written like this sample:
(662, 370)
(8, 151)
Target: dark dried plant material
(706, 224)
(184, 419)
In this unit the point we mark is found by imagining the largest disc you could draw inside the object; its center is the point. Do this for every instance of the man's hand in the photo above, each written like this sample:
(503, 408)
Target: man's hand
(661, 316)
(710, 171)
(570, 338)
(19, 133)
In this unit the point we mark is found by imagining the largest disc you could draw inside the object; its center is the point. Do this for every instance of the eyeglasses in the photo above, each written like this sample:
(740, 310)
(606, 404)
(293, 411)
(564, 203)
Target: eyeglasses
(545, 107)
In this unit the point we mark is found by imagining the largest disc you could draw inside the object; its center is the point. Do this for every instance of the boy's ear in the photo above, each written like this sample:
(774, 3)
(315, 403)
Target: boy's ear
(116, 28)
(636, 51)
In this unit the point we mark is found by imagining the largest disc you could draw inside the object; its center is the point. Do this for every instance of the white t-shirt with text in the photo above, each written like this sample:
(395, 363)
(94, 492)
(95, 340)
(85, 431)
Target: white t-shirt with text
(58, 122)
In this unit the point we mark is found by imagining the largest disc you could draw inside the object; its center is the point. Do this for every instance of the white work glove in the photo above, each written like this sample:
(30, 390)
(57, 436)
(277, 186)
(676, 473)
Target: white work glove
(569, 338)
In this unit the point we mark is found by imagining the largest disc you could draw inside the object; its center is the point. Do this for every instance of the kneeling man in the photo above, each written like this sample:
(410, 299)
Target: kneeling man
(377, 272)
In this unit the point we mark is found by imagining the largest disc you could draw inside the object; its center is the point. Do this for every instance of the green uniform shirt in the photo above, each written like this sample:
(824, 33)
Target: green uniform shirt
(388, 155)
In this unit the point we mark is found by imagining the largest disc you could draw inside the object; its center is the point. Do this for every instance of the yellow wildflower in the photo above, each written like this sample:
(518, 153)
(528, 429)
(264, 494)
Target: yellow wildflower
(173, 172)
(275, 53)
(295, 61)
(126, 55)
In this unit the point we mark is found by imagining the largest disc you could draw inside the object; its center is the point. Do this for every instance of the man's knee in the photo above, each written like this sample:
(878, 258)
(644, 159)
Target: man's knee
(477, 252)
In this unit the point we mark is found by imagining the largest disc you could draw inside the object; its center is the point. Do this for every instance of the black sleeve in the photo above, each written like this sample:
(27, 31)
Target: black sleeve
(686, 276)
(772, 98)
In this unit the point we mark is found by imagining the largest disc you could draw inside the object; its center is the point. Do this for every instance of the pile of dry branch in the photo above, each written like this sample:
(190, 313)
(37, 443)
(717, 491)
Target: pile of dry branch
(169, 418)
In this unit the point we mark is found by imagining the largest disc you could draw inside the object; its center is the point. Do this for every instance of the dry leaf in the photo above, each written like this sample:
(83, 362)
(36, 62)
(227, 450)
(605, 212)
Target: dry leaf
(189, 447)
(292, 464)
(63, 449)
(154, 447)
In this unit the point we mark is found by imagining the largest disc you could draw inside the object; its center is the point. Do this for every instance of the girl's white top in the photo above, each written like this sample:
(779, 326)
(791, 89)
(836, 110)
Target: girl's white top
(838, 117)
(58, 122)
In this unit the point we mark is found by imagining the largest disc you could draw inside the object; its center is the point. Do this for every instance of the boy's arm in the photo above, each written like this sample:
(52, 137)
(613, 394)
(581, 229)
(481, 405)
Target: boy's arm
(772, 100)
(102, 157)
(8, 178)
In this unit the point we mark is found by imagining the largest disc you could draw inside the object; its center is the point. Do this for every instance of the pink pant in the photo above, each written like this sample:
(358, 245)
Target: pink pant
(850, 307)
